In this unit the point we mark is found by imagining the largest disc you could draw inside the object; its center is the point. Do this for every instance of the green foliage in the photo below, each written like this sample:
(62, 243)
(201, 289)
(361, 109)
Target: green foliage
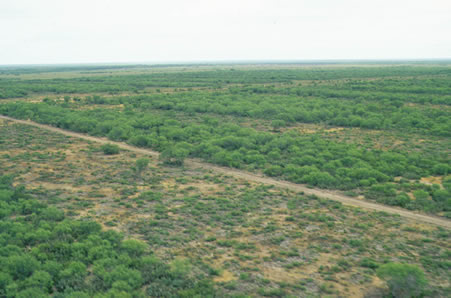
(110, 149)
(134, 248)
(441, 169)
(203, 124)
(175, 155)
(21, 267)
(49, 254)
(141, 164)
(276, 124)
(421, 194)
(181, 266)
(369, 263)
(12, 87)
(404, 280)
(392, 131)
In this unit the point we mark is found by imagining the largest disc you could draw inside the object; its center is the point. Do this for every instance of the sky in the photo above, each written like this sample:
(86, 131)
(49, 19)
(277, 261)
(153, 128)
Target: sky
(149, 31)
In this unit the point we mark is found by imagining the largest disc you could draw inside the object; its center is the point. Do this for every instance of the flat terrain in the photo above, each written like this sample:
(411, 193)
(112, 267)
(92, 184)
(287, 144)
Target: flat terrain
(246, 236)
(255, 178)
(224, 180)
(378, 132)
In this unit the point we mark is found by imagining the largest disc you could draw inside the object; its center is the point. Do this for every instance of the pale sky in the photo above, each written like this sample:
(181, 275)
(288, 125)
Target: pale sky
(136, 31)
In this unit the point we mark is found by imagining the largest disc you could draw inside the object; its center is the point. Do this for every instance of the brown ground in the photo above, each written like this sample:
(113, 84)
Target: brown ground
(260, 179)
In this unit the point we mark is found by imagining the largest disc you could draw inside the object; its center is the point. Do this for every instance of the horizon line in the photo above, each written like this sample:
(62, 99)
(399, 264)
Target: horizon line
(233, 62)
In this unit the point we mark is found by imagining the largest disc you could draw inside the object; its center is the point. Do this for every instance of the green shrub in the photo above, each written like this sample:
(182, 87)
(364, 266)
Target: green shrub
(110, 149)
(404, 280)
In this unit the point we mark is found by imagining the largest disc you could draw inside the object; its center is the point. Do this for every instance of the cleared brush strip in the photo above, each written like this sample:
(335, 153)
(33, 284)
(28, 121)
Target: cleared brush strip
(257, 178)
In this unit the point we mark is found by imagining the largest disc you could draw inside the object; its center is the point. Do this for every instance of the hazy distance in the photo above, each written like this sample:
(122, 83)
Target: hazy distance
(117, 31)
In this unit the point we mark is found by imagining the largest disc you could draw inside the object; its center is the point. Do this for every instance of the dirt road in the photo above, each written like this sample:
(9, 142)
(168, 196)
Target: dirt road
(258, 178)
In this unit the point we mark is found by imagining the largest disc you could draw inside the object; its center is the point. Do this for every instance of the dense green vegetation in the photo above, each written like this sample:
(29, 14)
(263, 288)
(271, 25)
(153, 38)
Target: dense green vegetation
(43, 252)
(110, 149)
(204, 123)
(248, 239)
(328, 109)
(380, 132)
(403, 280)
(298, 157)
(217, 78)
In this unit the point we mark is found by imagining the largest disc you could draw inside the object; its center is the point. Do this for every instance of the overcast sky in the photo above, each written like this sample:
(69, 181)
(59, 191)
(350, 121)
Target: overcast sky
(97, 31)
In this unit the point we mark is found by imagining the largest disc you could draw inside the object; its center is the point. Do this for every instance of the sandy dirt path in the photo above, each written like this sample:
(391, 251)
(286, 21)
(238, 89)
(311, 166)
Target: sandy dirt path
(331, 195)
